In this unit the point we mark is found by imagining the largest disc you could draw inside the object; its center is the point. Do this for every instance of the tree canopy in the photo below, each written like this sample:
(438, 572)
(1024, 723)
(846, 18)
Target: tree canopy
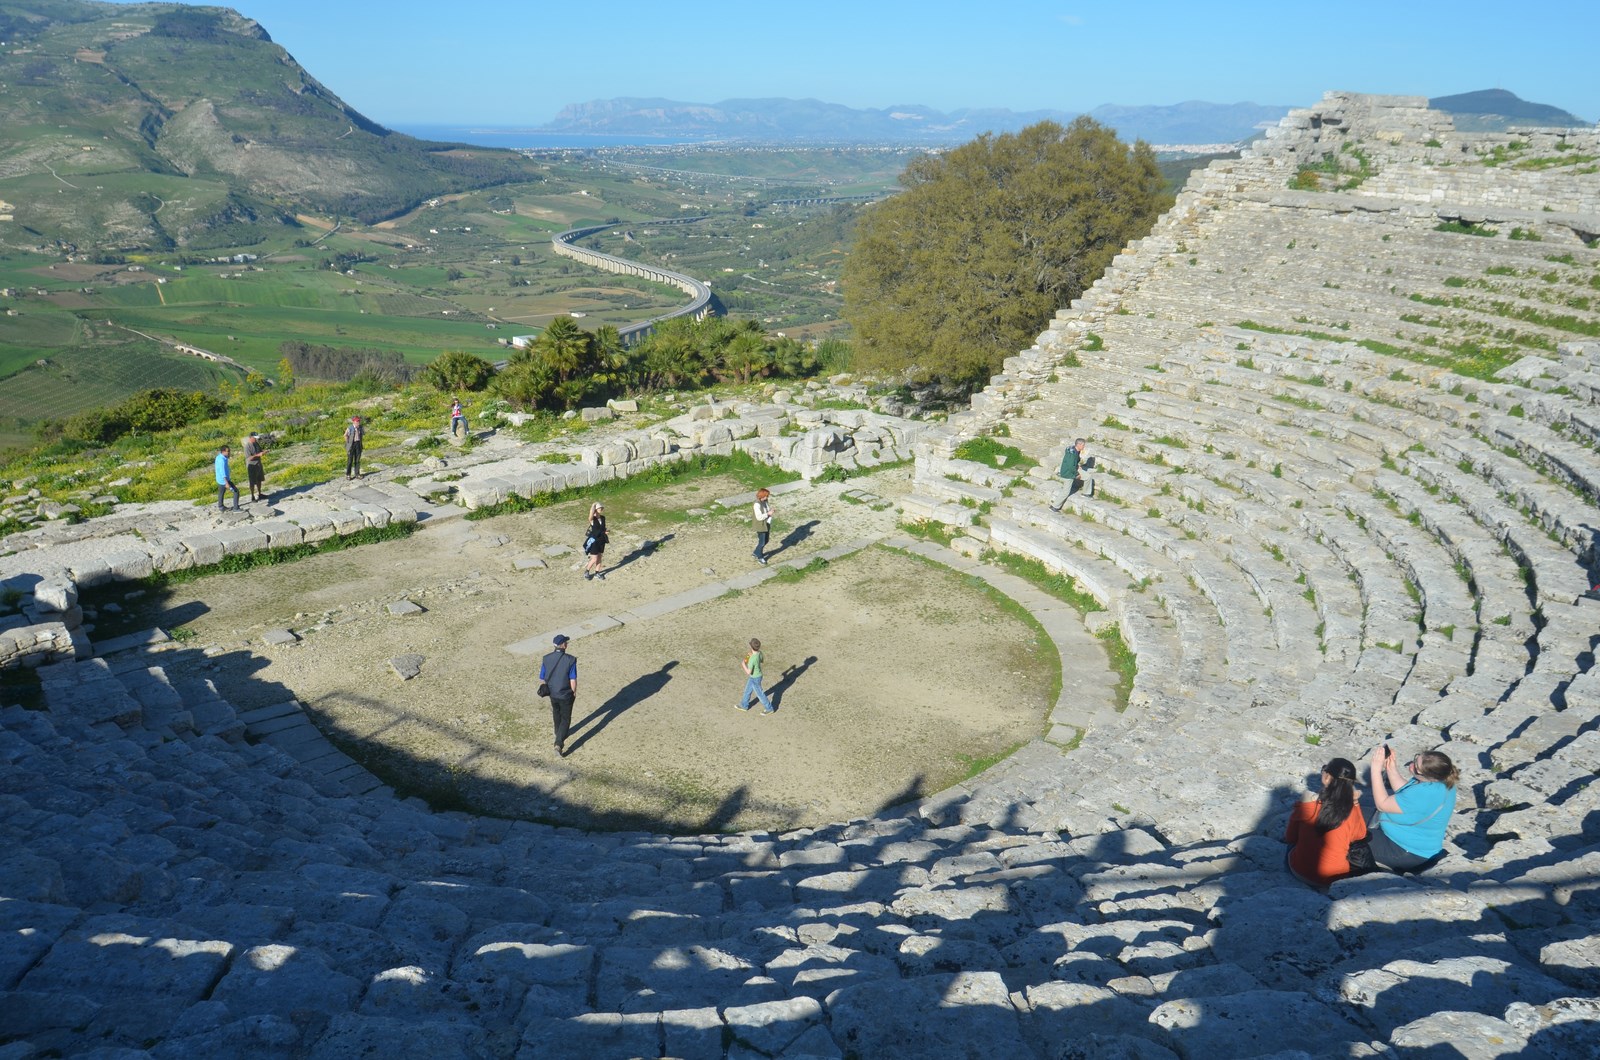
(987, 241)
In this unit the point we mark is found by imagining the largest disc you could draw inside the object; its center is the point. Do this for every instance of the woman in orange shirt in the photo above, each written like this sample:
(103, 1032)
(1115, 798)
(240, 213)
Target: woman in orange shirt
(1320, 831)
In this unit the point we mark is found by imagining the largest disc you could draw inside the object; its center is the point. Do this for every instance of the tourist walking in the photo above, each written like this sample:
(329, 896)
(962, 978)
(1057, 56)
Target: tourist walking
(225, 479)
(752, 680)
(457, 417)
(1072, 465)
(594, 542)
(353, 437)
(763, 522)
(254, 473)
(1408, 830)
(558, 679)
(1321, 830)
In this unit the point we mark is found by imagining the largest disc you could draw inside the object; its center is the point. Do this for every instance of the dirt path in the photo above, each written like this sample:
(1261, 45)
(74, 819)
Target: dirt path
(892, 676)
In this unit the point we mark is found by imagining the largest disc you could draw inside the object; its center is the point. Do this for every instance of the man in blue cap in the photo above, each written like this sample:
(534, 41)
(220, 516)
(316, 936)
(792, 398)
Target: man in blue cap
(558, 677)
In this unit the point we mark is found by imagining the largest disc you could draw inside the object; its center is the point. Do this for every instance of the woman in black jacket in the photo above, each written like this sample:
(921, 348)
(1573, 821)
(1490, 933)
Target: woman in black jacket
(594, 543)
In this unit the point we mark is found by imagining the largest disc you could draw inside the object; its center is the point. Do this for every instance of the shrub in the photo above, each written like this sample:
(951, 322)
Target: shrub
(458, 370)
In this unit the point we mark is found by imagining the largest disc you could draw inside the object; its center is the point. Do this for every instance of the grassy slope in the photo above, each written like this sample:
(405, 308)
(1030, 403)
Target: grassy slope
(163, 123)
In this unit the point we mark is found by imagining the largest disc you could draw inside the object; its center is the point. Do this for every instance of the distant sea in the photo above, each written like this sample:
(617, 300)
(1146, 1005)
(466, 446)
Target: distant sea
(500, 136)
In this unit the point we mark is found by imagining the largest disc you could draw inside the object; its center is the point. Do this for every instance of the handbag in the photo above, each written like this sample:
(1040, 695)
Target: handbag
(544, 690)
(1360, 857)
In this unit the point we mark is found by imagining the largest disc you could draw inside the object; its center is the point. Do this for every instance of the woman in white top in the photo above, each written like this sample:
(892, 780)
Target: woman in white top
(763, 521)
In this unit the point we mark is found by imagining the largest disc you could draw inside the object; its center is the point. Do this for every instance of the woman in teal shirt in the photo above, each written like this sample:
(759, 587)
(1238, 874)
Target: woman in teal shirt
(1408, 834)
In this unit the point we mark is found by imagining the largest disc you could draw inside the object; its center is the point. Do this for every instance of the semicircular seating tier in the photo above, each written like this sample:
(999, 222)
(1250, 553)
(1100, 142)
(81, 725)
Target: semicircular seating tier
(1313, 544)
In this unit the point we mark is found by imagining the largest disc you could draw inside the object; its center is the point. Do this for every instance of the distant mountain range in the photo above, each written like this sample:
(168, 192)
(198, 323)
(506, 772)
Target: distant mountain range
(1194, 122)
(770, 120)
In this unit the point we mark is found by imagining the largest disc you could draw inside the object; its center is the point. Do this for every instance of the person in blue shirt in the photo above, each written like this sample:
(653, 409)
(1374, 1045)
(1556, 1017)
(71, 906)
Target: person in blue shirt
(225, 480)
(558, 672)
(1408, 832)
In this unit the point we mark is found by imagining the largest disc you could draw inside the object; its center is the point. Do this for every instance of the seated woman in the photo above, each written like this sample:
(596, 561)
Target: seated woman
(1408, 832)
(1321, 830)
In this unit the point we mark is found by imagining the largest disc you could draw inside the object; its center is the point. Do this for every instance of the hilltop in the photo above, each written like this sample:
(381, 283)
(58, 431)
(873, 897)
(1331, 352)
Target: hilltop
(1496, 110)
(160, 125)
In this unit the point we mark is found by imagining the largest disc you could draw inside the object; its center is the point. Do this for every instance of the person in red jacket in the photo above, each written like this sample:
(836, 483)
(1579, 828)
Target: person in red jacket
(1321, 830)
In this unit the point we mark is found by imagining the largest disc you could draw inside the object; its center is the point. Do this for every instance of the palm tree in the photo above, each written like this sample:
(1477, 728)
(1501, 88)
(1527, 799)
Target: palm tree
(566, 348)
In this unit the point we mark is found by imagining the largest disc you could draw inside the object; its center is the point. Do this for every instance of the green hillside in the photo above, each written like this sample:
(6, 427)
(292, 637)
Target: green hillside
(158, 126)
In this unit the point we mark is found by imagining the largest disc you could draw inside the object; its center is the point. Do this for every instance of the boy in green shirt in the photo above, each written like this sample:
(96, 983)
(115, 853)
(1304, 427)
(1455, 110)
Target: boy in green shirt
(752, 684)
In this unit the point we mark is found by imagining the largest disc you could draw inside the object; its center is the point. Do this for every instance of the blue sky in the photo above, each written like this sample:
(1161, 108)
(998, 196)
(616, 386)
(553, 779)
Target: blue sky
(499, 62)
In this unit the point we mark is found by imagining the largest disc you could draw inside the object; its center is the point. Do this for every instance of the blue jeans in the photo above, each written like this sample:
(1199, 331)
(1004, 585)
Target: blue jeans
(752, 687)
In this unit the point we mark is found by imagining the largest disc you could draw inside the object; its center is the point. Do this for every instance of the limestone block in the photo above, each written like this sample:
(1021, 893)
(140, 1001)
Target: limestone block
(372, 515)
(597, 414)
(482, 493)
(286, 981)
(401, 514)
(206, 549)
(623, 405)
(1243, 1024)
(130, 564)
(315, 527)
(589, 456)
(279, 636)
(236, 541)
(957, 1014)
(713, 435)
(346, 522)
(769, 1027)
(1470, 1035)
(134, 956)
(1566, 1026)
(593, 1034)
(702, 412)
(55, 595)
(407, 666)
(171, 556)
(90, 572)
(620, 451)
(281, 533)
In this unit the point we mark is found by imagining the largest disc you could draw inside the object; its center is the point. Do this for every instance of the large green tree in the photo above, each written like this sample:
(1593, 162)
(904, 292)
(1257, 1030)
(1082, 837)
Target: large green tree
(968, 264)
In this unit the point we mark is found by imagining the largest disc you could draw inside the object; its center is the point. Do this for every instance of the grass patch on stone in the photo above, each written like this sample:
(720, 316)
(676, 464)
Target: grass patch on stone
(990, 453)
(976, 765)
(789, 575)
(271, 557)
(1035, 573)
(738, 465)
(929, 530)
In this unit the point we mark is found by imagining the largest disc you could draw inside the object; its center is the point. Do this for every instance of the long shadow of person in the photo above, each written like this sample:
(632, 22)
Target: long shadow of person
(646, 548)
(787, 678)
(795, 537)
(629, 695)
